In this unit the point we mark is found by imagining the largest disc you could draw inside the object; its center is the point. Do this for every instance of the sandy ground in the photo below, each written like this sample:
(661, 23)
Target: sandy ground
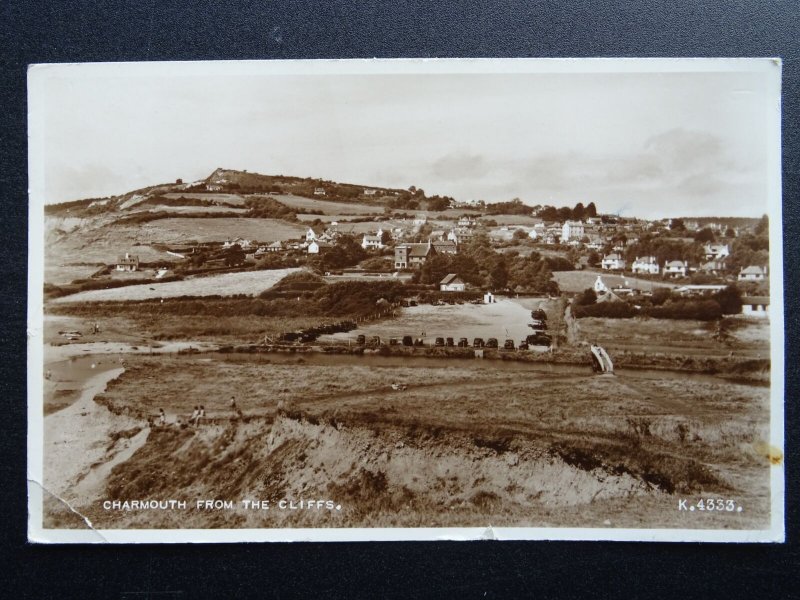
(507, 318)
(76, 441)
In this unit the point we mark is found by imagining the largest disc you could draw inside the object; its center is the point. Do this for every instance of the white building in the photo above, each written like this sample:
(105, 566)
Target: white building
(452, 283)
(127, 263)
(752, 273)
(646, 265)
(572, 230)
(599, 286)
(716, 251)
(319, 191)
(755, 306)
(317, 246)
(613, 262)
(676, 268)
(370, 242)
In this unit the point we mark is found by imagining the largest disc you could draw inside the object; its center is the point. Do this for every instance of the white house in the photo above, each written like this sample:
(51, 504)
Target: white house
(676, 268)
(646, 265)
(319, 191)
(755, 306)
(370, 192)
(452, 283)
(466, 222)
(599, 286)
(613, 262)
(752, 273)
(311, 235)
(372, 241)
(716, 251)
(572, 230)
(317, 246)
(127, 263)
(273, 247)
(242, 243)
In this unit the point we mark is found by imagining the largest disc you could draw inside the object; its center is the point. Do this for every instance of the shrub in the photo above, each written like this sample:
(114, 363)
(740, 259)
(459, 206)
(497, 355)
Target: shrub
(609, 310)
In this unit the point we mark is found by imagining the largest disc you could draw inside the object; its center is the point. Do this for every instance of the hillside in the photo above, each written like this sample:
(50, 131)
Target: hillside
(225, 188)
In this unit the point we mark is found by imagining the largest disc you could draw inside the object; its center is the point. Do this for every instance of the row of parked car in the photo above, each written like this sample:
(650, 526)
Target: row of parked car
(538, 339)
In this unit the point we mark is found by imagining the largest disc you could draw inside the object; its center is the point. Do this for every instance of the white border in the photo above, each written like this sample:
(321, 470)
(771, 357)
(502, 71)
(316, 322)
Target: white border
(37, 74)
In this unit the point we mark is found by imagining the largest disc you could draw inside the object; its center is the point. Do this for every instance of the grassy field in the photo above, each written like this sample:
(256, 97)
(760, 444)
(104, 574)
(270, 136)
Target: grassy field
(226, 284)
(690, 338)
(218, 230)
(577, 281)
(460, 447)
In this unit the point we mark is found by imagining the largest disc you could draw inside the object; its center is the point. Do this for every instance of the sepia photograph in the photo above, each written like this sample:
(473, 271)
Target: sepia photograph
(362, 300)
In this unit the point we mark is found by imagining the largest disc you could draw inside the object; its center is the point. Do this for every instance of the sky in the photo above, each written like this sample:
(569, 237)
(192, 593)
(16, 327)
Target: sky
(642, 144)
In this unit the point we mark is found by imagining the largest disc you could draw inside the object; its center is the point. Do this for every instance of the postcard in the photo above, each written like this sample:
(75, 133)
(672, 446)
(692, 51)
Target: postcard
(405, 300)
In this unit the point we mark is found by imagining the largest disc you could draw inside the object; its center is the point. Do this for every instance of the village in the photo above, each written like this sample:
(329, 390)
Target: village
(473, 256)
(303, 310)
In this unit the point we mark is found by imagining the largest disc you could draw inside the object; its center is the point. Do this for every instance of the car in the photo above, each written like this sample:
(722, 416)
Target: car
(408, 340)
(491, 343)
(449, 342)
(393, 341)
(478, 343)
(361, 340)
(463, 343)
(537, 325)
(439, 342)
(508, 345)
(539, 315)
(419, 342)
(523, 345)
(539, 339)
(375, 340)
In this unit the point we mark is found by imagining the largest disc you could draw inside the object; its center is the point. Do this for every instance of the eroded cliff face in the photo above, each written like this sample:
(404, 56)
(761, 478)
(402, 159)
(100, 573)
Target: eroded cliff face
(326, 473)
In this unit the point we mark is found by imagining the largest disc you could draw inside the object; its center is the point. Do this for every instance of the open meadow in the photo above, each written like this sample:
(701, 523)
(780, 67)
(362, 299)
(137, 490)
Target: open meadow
(225, 284)
(183, 229)
(577, 281)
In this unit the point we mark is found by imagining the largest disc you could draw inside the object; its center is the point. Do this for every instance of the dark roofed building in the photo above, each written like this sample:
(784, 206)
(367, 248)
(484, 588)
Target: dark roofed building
(412, 255)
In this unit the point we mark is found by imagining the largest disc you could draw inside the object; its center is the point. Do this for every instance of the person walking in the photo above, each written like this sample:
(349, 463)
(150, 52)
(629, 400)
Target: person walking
(162, 417)
(195, 415)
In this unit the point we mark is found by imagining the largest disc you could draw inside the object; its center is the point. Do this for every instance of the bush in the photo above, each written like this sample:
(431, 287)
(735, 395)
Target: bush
(701, 310)
(609, 310)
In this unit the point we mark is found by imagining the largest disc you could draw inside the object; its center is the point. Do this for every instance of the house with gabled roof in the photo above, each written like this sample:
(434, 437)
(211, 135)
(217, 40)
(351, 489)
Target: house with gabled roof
(676, 268)
(646, 265)
(452, 283)
(613, 262)
(127, 263)
(445, 247)
(407, 256)
(752, 273)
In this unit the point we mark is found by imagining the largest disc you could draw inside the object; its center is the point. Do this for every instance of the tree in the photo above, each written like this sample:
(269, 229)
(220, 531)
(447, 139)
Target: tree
(677, 225)
(498, 273)
(593, 259)
(579, 211)
(661, 295)
(591, 210)
(705, 235)
(234, 256)
(762, 227)
(386, 238)
(730, 233)
(519, 235)
(586, 298)
(730, 300)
